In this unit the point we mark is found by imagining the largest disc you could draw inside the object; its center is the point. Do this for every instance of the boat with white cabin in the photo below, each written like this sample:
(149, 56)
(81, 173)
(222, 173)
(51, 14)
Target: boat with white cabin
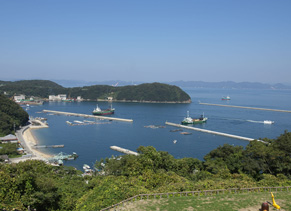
(268, 122)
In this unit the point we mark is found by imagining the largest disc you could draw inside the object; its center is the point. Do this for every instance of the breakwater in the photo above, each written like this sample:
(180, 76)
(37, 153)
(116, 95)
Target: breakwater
(210, 131)
(87, 115)
(125, 151)
(245, 107)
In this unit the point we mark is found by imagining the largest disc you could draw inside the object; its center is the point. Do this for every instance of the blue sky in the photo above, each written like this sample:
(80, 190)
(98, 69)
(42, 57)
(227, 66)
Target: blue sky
(146, 40)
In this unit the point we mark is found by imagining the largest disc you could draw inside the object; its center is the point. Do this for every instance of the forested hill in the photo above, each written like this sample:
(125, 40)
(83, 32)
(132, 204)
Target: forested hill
(37, 88)
(153, 92)
(10, 113)
(149, 92)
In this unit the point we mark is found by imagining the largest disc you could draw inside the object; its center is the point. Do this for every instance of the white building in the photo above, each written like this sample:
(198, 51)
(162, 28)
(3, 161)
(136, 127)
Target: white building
(79, 98)
(59, 97)
(19, 98)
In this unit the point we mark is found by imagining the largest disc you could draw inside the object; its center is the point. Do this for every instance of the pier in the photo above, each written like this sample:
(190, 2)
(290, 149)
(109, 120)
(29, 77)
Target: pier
(233, 106)
(125, 151)
(48, 146)
(87, 116)
(210, 131)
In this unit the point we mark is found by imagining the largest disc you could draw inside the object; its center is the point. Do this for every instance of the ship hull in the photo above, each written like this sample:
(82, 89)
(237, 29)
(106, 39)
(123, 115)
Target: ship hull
(195, 121)
(103, 113)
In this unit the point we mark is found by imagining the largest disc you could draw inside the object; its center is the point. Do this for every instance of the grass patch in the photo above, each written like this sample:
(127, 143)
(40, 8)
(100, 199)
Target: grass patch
(225, 202)
(15, 156)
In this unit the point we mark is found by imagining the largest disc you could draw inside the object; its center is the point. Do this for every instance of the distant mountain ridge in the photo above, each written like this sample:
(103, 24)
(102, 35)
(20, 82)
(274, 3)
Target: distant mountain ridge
(194, 84)
(229, 85)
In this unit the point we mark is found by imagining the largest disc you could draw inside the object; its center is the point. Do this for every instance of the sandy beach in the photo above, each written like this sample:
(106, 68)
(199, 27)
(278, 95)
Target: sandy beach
(30, 141)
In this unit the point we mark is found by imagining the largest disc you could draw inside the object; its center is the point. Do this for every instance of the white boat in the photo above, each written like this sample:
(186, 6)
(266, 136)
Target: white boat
(85, 166)
(79, 122)
(225, 97)
(269, 122)
(175, 141)
(188, 119)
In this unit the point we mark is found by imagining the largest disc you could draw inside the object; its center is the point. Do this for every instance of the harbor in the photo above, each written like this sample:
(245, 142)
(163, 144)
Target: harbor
(87, 116)
(245, 107)
(92, 142)
(210, 131)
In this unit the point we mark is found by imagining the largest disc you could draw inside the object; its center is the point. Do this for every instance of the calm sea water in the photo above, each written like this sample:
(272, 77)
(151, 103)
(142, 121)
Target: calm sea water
(92, 142)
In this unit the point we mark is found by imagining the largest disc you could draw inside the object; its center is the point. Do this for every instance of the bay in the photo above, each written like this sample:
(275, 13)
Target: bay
(92, 142)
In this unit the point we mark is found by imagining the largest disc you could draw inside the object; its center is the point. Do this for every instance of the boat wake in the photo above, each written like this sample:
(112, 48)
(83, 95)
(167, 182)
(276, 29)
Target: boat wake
(249, 120)
(261, 122)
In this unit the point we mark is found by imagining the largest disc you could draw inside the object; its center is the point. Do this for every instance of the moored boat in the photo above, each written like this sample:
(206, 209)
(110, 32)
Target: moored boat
(185, 133)
(225, 98)
(99, 111)
(188, 120)
(85, 166)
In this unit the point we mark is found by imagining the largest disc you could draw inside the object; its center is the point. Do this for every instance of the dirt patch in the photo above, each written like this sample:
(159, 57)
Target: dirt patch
(141, 205)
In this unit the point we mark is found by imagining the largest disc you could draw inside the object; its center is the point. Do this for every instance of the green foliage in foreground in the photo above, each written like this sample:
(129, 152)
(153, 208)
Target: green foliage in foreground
(44, 187)
(9, 149)
(10, 113)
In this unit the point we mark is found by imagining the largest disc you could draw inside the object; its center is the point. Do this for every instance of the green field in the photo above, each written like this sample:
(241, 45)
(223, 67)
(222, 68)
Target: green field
(225, 202)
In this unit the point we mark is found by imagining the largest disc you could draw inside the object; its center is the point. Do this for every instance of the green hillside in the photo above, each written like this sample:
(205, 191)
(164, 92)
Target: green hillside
(10, 114)
(36, 88)
(152, 92)
(157, 92)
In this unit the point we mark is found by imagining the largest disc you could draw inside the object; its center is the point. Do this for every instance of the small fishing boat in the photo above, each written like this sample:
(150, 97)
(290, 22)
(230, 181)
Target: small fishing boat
(175, 141)
(176, 130)
(185, 133)
(268, 122)
(85, 166)
(225, 98)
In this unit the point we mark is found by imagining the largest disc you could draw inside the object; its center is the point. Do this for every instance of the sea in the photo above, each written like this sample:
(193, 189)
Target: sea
(92, 141)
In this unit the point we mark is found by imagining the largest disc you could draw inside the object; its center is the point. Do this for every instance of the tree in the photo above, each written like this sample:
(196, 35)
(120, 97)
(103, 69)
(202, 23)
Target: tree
(224, 157)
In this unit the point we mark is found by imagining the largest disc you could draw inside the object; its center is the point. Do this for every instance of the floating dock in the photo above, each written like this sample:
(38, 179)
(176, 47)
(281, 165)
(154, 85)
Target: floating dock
(125, 151)
(233, 106)
(210, 131)
(87, 115)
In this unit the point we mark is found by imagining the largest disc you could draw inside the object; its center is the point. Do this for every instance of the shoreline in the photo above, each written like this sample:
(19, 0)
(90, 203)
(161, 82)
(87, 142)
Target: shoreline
(31, 140)
(144, 101)
(28, 140)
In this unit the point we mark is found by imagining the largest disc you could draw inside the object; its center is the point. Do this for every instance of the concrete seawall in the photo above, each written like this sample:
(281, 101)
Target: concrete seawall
(125, 151)
(210, 131)
(87, 115)
(233, 106)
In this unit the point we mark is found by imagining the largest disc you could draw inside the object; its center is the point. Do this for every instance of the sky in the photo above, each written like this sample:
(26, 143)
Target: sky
(146, 40)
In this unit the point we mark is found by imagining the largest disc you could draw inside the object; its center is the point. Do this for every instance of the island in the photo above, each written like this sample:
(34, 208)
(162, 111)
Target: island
(145, 93)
